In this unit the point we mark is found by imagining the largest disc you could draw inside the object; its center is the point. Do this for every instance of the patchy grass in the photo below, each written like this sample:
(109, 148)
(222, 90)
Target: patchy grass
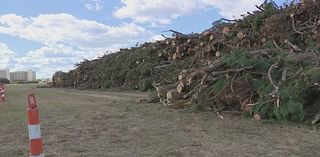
(91, 123)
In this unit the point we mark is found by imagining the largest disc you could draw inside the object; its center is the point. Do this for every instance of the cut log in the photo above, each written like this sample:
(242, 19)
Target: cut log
(218, 54)
(183, 74)
(207, 49)
(226, 31)
(211, 37)
(196, 75)
(173, 95)
(163, 90)
(256, 117)
(240, 35)
(181, 87)
(178, 49)
(176, 56)
(190, 51)
(180, 104)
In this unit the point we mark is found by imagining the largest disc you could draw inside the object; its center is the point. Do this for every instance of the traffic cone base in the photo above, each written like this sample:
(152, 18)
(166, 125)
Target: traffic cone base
(37, 155)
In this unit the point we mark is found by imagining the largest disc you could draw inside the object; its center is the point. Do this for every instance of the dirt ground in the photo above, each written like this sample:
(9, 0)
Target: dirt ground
(111, 124)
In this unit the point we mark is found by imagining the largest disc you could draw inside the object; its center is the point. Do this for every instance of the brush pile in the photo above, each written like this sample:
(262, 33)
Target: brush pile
(265, 64)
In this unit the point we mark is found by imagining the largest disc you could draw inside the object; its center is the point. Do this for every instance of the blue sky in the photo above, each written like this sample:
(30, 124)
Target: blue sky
(48, 36)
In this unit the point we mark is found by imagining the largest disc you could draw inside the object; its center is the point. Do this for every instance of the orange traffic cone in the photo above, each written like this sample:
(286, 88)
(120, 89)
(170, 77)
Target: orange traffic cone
(2, 91)
(35, 139)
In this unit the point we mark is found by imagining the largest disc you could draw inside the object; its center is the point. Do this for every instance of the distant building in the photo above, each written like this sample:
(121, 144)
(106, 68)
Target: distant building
(4, 73)
(31, 75)
(23, 76)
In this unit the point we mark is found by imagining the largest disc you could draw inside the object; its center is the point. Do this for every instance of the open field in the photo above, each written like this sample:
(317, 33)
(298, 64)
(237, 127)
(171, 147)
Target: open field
(111, 124)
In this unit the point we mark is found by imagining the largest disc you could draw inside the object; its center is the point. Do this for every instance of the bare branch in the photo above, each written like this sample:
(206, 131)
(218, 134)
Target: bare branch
(294, 25)
(284, 75)
(276, 88)
(295, 47)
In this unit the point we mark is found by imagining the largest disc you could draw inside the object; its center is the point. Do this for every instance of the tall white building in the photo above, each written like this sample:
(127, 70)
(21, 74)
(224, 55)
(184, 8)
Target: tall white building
(23, 76)
(4, 73)
(31, 75)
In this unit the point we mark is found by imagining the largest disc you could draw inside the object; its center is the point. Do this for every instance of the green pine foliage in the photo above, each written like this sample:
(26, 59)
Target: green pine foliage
(293, 94)
(257, 20)
(218, 86)
(145, 84)
(239, 58)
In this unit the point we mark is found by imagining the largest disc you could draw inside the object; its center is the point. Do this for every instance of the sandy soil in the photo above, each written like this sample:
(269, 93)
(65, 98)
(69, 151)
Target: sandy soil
(112, 124)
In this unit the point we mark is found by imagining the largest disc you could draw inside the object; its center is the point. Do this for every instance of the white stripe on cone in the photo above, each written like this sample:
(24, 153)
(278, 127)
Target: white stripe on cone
(34, 132)
(41, 155)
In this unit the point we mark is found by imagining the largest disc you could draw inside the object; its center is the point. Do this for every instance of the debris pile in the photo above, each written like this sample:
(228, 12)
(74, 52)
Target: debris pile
(265, 64)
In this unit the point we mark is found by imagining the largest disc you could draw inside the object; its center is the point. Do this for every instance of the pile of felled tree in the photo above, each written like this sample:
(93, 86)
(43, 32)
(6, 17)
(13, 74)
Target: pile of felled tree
(266, 64)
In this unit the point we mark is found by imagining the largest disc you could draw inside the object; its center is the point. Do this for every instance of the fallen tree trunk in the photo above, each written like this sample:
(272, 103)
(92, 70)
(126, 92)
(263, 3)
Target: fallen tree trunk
(173, 95)
(163, 90)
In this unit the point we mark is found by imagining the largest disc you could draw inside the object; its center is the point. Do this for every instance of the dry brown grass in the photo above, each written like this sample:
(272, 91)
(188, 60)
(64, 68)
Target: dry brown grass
(111, 124)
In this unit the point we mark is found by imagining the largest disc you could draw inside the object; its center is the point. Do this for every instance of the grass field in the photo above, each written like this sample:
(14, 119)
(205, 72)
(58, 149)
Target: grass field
(111, 124)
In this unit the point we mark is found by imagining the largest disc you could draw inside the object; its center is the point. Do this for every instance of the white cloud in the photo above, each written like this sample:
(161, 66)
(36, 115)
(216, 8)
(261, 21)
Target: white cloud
(49, 59)
(156, 38)
(66, 29)
(155, 11)
(159, 12)
(65, 40)
(233, 8)
(6, 55)
(94, 5)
